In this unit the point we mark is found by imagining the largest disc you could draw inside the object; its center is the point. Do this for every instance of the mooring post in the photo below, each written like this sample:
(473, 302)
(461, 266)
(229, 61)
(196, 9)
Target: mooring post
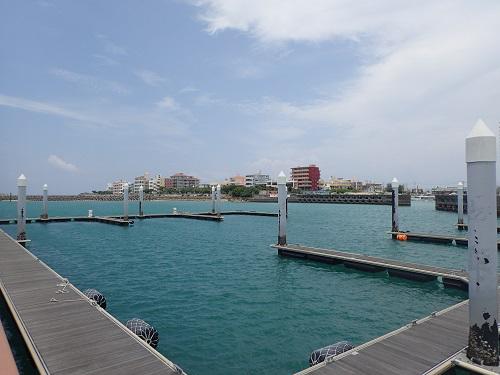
(218, 200)
(213, 199)
(21, 208)
(282, 211)
(460, 204)
(125, 201)
(45, 203)
(395, 205)
(141, 200)
(480, 154)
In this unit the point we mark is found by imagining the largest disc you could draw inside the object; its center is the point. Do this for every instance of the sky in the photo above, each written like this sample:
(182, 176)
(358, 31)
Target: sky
(96, 91)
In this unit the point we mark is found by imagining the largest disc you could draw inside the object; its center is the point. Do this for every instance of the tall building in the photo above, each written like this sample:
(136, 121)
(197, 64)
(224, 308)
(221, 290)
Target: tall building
(257, 179)
(306, 178)
(118, 187)
(141, 181)
(182, 181)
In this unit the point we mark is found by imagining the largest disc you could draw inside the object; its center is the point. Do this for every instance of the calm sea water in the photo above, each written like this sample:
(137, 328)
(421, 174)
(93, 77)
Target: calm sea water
(221, 298)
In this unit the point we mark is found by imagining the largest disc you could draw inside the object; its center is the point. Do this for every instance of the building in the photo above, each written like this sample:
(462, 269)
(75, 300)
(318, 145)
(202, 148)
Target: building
(235, 180)
(373, 187)
(118, 187)
(141, 181)
(182, 181)
(339, 183)
(306, 178)
(257, 179)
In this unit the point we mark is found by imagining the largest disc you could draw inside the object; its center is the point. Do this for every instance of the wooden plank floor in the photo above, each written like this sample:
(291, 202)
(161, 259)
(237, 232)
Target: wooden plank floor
(64, 331)
(342, 257)
(410, 350)
(435, 238)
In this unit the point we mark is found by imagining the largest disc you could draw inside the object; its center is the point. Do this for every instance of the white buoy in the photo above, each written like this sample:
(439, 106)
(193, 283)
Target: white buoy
(395, 204)
(480, 154)
(282, 208)
(45, 203)
(174, 211)
(141, 200)
(125, 201)
(213, 199)
(460, 202)
(218, 194)
(21, 207)
(91, 213)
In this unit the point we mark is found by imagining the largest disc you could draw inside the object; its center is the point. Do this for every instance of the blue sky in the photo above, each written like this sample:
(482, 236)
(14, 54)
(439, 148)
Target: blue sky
(95, 91)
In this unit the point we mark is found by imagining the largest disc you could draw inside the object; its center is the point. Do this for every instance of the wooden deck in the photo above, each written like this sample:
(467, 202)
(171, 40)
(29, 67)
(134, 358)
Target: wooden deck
(65, 333)
(466, 227)
(411, 350)
(450, 278)
(435, 238)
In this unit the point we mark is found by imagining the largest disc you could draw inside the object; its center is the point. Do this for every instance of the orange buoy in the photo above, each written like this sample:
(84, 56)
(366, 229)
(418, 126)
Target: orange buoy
(401, 237)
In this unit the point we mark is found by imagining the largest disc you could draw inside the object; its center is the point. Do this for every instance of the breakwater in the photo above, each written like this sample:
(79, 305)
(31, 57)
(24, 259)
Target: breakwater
(449, 202)
(376, 199)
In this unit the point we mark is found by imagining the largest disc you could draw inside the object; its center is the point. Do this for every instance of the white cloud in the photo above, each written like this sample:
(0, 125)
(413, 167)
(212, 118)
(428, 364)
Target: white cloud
(90, 82)
(111, 47)
(47, 108)
(57, 162)
(426, 71)
(150, 78)
(168, 103)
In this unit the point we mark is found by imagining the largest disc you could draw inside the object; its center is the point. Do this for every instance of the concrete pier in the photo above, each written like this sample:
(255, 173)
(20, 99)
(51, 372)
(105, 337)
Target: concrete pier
(45, 203)
(21, 208)
(282, 211)
(480, 153)
(460, 201)
(125, 201)
(213, 199)
(141, 200)
(218, 201)
(395, 204)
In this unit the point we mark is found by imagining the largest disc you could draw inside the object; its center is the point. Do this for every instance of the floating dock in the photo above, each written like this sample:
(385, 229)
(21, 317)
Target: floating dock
(64, 332)
(434, 238)
(179, 215)
(116, 220)
(449, 277)
(431, 345)
(244, 213)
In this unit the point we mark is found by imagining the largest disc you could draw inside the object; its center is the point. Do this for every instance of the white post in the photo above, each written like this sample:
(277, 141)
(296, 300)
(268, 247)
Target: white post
(45, 203)
(21, 208)
(460, 203)
(282, 210)
(395, 205)
(141, 200)
(480, 154)
(125, 201)
(218, 200)
(213, 199)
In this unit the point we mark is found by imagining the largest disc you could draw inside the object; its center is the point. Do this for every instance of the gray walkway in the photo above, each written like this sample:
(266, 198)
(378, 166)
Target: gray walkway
(65, 333)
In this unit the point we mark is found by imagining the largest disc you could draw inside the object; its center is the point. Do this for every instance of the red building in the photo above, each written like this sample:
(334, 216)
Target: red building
(306, 178)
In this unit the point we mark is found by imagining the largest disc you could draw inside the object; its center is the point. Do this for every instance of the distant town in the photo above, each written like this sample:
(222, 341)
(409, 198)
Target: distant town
(302, 179)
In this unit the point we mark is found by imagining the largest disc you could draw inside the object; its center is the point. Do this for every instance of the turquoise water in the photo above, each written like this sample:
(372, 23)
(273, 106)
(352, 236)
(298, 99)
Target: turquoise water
(220, 297)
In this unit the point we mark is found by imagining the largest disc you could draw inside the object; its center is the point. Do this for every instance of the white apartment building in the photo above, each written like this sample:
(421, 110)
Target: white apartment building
(117, 187)
(257, 179)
